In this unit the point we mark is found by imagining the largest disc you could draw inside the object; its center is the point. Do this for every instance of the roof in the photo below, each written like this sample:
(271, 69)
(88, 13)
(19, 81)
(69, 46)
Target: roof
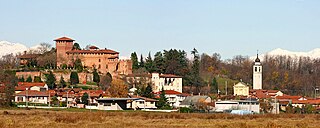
(101, 51)
(169, 76)
(32, 93)
(289, 97)
(93, 47)
(31, 84)
(257, 59)
(193, 100)
(144, 98)
(64, 39)
(170, 92)
(116, 99)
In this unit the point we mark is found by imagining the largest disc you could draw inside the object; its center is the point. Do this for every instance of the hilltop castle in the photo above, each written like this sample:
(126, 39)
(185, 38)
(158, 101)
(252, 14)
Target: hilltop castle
(104, 60)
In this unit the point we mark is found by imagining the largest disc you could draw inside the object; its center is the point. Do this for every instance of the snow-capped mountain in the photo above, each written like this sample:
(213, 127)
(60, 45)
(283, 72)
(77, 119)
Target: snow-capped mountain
(8, 48)
(313, 54)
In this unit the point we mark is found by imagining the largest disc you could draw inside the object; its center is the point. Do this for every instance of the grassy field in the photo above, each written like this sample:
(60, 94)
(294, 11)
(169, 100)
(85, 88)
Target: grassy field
(13, 118)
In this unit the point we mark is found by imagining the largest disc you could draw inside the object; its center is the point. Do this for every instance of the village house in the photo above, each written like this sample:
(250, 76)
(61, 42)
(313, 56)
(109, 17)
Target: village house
(174, 97)
(37, 86)
(158, 81)
(32, 96)
(196, 101)
(141, 103)
(114, 103)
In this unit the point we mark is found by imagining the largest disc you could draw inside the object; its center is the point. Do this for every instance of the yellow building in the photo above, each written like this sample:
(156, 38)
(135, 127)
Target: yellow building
(241, 89)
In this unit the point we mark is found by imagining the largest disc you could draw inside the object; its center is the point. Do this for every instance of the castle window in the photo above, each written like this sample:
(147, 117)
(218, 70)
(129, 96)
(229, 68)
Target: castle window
(99, 66)
(259, 69)
(255, 69)
(106, 66)
(99, 60)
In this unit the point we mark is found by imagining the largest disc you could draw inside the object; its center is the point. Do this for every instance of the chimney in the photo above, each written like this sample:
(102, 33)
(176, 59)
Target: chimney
(25, 52)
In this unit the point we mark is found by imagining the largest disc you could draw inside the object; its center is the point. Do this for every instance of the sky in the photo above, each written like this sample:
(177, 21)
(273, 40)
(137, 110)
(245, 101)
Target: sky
(227, 27)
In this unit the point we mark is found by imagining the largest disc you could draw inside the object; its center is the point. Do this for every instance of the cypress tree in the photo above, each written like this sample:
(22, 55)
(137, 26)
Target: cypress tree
(74, 78)
(29, 79)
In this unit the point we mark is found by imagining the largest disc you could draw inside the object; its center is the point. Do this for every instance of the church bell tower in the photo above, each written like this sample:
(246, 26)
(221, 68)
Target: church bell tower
(257, 74)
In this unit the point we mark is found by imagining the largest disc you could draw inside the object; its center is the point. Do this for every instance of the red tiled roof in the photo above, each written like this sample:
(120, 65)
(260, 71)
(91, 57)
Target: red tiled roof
(64, 39)
(32, 93)
(169, 92)
(313, 101)
(289, 97)
(31, 84)
(169, 76)
(105, 51)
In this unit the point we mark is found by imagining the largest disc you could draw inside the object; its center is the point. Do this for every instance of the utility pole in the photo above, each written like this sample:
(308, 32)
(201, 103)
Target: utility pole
(27, 97)
(226, 87)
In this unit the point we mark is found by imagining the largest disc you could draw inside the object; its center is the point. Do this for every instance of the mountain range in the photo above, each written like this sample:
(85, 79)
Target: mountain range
(7, 47)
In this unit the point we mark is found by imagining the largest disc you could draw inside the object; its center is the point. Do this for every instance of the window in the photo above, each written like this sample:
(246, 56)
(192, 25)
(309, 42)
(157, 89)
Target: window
(151, 102)
(255, 69)
(259, 69)
(99, 60)
(107, 104)
(141, 102)
(113, 103)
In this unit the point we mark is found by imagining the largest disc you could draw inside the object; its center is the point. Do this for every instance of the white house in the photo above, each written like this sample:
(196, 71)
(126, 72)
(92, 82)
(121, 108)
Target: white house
(174, 97)
(113, 103)
(141, 103)
(241, 89)
(249, 105)
(32, 96)
(37, 86)
(159, 81)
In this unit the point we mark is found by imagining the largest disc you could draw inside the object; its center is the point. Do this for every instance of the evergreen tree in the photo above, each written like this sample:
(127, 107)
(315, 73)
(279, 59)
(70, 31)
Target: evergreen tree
(105, 81)
(214, 85)
(74, 78)
(50, 80)
(76, 46)
(62, 82)
(84, 98)
(159, 62)
(134, 59)
(96, 77)
(37, 79)
(196, 79)
(162, 101)
(29, 79)
(21, 79)
(148, 92)
(141, 64)
(149, 64)
(78, 65)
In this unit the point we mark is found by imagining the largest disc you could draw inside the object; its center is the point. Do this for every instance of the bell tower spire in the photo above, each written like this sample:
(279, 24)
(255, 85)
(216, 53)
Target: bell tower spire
(257, 73)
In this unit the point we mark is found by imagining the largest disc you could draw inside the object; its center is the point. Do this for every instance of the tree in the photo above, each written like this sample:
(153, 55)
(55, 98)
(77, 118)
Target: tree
(21, 79)
(29, 79)
(214, 85)
(37, 79)
(162, 103)
(149, 65)
(159, 62)
(44, 47)
(74, 78)
(50, 80)
(96, 77)
(134, 59)
(9, 80)
(76, 46)
(47, 59)
(148, 92)
(197, 81)
(105, 81)
(62, 82)
(84, 98)
(78, 65)
(141, 64)
(118, 88)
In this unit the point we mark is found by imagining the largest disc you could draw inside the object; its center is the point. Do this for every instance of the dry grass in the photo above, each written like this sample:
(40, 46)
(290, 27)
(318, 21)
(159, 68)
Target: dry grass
(47, 118)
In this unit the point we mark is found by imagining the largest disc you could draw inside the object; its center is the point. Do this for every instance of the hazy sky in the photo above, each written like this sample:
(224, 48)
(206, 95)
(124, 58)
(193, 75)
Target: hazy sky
(228, 27)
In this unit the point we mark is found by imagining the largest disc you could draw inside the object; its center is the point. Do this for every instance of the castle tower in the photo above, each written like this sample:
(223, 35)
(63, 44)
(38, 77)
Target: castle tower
(257, 74)
(63, 45)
